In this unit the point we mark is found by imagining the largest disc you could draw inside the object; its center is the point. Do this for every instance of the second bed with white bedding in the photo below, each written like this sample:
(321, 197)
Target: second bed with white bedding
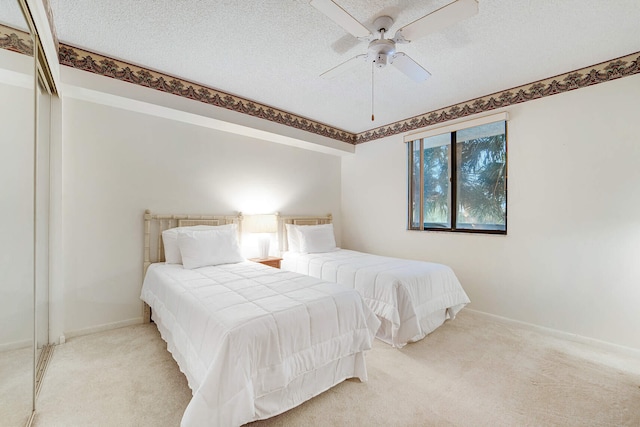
(412, 298)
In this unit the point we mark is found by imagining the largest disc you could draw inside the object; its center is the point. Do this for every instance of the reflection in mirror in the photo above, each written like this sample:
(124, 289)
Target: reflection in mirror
(16, 216)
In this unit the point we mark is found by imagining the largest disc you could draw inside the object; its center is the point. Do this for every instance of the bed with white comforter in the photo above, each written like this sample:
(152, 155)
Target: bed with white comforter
(254, 341)
(411, 298)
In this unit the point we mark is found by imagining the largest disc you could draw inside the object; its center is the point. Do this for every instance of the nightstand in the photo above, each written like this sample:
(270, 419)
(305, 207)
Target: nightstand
(272, 261)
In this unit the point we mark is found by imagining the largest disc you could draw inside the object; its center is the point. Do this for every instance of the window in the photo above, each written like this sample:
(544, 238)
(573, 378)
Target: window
(458, 180)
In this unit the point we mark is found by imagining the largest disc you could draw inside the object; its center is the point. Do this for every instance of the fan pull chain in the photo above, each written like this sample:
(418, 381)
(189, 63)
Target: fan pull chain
(372, 68)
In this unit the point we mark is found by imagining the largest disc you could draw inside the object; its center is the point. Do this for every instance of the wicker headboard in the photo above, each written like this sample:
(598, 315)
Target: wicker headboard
(155, 224)
(297, 220)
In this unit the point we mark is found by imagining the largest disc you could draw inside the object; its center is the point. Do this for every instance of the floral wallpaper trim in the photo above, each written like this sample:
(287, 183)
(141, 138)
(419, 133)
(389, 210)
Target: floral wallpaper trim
(15, 40)
(588, 76)
(20, 41)
(104, 66)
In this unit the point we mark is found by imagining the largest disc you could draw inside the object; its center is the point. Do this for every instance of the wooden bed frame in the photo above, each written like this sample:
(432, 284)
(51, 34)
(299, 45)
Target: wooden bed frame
(155, 224)
(297, 220)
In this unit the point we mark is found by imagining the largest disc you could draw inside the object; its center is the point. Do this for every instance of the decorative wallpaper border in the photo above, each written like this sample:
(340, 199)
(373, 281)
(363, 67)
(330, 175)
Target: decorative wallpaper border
(119, 70)
(588, 76)
(16, 40)
(19, 41)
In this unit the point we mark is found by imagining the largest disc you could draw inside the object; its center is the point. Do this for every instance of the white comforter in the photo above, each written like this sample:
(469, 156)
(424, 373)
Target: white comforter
(254, 341)
(411, 297)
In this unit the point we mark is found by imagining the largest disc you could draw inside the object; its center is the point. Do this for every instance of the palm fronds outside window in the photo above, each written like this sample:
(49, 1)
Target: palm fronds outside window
(465, 169)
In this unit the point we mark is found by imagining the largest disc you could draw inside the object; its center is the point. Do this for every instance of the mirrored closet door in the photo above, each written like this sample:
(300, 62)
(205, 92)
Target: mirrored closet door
(17, 203)
(25, 123)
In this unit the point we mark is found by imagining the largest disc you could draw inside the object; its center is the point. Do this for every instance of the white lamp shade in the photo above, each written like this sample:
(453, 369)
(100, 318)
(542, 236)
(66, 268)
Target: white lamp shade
(260, 224)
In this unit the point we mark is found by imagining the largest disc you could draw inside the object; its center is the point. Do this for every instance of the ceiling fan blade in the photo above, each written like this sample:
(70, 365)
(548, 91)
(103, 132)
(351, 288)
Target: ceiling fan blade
(437, 20)
(410, 67)
(341, 17)
(345, 66)
(345, 44)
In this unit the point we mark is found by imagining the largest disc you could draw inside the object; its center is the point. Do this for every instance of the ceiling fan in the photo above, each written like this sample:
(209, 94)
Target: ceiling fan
(383, 51)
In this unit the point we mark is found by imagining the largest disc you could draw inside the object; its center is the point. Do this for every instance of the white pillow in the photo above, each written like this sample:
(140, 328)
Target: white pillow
(293, 241)
(316, 238)
(170, 240)
(200, 248)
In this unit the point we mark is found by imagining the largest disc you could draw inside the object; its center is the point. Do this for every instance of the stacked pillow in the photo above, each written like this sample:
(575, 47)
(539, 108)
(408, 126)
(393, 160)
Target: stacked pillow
(202, 245)
(309, 239)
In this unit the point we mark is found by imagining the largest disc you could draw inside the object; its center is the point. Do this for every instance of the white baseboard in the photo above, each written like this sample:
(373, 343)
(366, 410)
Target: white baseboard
(630, 351)
(102, 328)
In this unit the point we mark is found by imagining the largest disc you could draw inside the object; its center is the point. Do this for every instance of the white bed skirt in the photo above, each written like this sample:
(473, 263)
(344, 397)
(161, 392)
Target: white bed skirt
(411, 298)
(303, 388)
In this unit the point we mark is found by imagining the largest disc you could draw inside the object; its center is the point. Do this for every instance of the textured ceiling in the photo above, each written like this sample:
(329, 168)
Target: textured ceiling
(10, 14)
(273, 51)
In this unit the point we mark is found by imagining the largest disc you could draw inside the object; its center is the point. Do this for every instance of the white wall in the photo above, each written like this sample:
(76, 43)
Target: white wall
(117, 163)
(571, 259)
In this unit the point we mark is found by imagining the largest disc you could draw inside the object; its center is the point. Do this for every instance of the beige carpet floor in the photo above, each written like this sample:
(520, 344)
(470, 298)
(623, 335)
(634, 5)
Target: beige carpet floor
(16, 386)
(473, 371)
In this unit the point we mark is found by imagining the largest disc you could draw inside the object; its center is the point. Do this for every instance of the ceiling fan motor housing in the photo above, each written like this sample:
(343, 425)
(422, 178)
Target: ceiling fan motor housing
(381, 50)
(380, 60)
